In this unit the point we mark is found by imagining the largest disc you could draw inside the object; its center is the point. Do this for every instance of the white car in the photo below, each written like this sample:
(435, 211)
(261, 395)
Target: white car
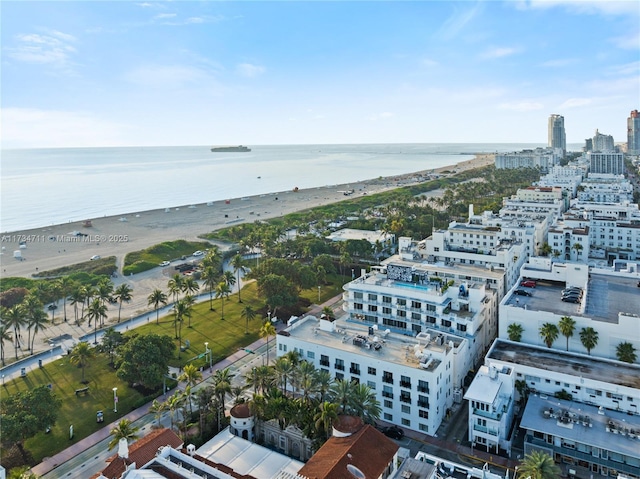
(164, 263)
(198, 253)
(94, 257)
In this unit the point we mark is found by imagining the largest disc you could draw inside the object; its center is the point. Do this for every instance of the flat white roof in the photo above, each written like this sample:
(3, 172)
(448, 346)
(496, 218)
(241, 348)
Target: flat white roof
(247, 458)
(483, 389)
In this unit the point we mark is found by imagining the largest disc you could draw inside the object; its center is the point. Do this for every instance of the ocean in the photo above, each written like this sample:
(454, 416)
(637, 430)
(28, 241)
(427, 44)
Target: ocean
(41, 187)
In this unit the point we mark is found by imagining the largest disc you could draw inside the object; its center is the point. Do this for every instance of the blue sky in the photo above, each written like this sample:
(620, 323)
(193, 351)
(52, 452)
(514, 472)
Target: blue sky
(196, 73)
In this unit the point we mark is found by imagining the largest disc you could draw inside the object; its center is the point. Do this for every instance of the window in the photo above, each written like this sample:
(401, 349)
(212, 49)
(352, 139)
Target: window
(416, 304)
(415, 316)
(372, 385)
(394, 323)
(406, 422)
(354, 369)
(462, 327)
(357, 306)
(423, 401)
(386, 299)
(339, 364)
(387, 377)
(406, 409)
(373, 297)
(405, 396)
(386, 311)
(357, 295)
(373, 309)
(388, 404)
(388, 417)
(423, 386)
(401, 302)
(324, 360)
(446, 323)
(339, 376)
(405, 382)
(387, 392)
(423, 414)
(311, 355)
(402, 314)
(371, 371)
(423, 427)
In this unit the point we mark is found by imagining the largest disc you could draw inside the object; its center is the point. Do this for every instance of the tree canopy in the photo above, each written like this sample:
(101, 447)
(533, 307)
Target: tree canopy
(144, 359)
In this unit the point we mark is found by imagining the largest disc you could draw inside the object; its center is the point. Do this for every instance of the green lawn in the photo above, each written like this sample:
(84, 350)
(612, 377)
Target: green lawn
(225, 336)
(146, 259)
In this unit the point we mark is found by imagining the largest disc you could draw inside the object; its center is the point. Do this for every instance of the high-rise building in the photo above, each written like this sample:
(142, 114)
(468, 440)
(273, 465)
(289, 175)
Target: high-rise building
(633, 133)
(602, 142)
(557, 137)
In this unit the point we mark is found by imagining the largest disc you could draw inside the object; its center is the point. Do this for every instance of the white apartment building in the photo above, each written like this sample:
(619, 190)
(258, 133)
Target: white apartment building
(409, 297)
(345, 234)
(606, 162)
(566, 177)
(413, 377)
(543, 158)
(569, 242)
(605, 395)
(603, 188)
(491, 402)
(476, 245)
(609, 305)
(601, 142)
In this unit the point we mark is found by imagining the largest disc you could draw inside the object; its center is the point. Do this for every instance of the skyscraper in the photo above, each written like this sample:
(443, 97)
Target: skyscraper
(633, 133)
(557, 138)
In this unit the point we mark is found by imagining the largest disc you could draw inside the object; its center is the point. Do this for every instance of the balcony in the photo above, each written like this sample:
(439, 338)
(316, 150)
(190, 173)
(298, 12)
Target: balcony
(405, 384)
(486, 430)
(423, 389)
(387, 379)
(489, 415)
(424, 404)
(354, 371)
(324, 363)
(339, 367)
(386, 394)
(406, 399)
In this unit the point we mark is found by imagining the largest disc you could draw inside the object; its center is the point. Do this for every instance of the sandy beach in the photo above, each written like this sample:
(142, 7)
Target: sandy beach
(55, 246)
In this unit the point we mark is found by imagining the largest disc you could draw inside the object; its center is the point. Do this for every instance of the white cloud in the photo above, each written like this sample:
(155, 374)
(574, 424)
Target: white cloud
(498, 52)
(609, 7)
(53, 48)
(458, 21)
(632, 68)
(524, 105)
(168, 76)
(575, 103)
(33, 128)
(249, 70)
(628, 42)
(381, 116)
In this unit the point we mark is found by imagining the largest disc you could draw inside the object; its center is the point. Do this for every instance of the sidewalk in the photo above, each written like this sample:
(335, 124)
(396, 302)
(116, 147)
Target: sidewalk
(74, 450)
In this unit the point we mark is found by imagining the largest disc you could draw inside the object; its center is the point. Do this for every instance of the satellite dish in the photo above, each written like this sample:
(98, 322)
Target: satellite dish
(355, 472)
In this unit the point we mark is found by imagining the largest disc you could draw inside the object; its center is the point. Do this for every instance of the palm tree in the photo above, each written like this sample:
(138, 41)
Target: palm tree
(515, 330)
(174, 403)
(284, 371)
(549, 333)
(577, 247)
(158, 408)
(157, 298)
(97, 311)
(261, 379)
(626, 352)
(123, 293)
(363, 403)
(328, 412)
(105, 290)
(81, 354)
(124, 430)
(567, 326)
(31, 306)
(267, 330)
(191, 375)
(15, 318)
(5, 335)
(77, 297)
(221, 387)
(181, 310)
(222, 292)
(37, 322)
(248, 314)
(66, 287)
(589, 338)
(237, 263)
(190, 286)
(328, 312)
(340, 393)
(228, 278)
(538, 465)
(211, 280)
(175, 286)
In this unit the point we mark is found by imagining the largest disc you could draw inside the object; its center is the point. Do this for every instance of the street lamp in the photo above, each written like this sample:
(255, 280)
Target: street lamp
(269, 315)
(208, 351)
(318, 294)
(3, 379)
(115, 399)
(353, 274)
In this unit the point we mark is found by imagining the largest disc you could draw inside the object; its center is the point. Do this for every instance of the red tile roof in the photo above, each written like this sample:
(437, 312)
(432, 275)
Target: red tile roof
(367, 449)
(141, 452)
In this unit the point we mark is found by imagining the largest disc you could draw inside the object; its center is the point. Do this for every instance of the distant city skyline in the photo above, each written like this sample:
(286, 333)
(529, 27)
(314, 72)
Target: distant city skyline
(147, 73)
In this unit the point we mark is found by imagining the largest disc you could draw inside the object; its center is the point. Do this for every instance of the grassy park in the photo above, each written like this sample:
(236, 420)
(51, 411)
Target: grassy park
(224, 336)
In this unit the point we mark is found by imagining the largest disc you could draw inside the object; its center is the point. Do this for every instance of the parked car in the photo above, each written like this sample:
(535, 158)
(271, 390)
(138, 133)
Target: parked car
(572, 289)
(571, 299)
(94, 257)
(394, 432)
(164, 263)
(528, 283)
(522, 292)
(198, 253)
(572, 293)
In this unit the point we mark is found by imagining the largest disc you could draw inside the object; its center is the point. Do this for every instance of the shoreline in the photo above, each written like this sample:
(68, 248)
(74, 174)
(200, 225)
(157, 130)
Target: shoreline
(50, 247)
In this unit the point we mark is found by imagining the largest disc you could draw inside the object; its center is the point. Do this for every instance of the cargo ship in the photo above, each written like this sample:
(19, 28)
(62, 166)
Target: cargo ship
(230, 149)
